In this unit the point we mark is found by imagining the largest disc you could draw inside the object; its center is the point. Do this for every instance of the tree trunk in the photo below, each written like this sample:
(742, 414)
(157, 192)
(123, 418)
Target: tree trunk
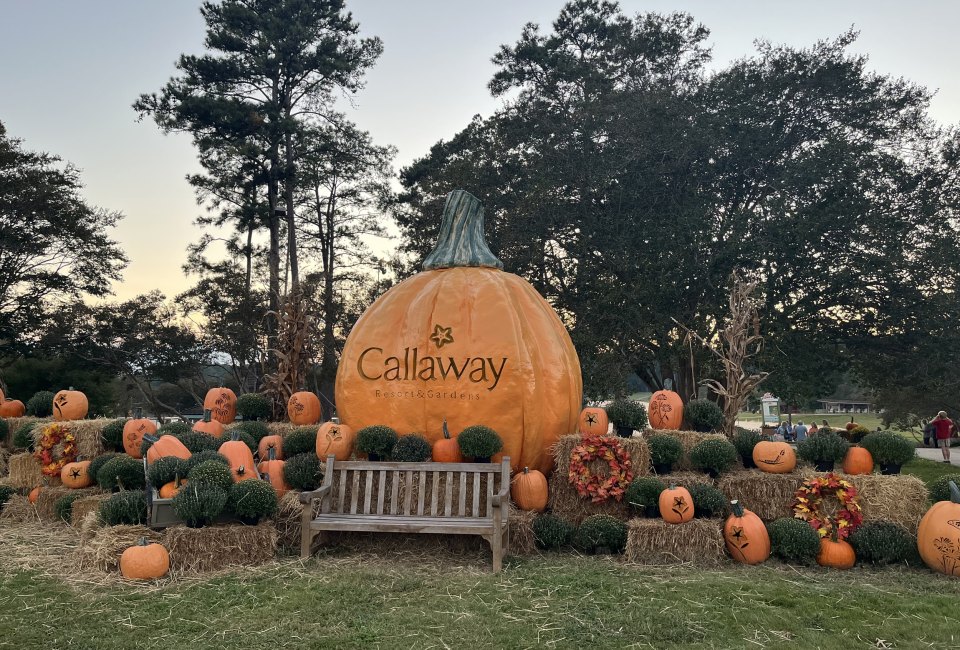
(288, 185)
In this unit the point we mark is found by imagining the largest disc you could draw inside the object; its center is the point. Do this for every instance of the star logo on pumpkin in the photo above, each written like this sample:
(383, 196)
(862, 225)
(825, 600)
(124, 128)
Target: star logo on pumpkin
(591, 418)
(75, 473)
(442, 335)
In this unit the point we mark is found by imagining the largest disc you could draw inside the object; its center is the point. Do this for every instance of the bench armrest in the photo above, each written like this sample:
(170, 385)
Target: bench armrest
(498, 498)
(308, 497)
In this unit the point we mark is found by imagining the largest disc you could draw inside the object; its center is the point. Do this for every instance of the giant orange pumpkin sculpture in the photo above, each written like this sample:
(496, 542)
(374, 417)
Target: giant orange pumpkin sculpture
(666, 409)
(69, 405)
(222, 403)
(938, 537)
(465, 341)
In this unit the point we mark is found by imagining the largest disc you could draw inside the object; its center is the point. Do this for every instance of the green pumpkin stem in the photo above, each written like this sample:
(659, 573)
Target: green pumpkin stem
(272, 454)
(446, 431)
(207, 415)
(461, 241)
(737, 508)
(143, 542)
(954, 492)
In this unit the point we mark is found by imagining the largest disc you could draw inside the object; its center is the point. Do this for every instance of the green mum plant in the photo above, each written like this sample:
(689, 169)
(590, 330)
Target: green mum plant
(412, 448)
(301, 440)
(121, 473)
(198, 504)
(479, 442)
(124, 508)
(165, 470)
(551, 532)
(252, 499)
(211, 472)
(665, 451)
(376, 441)
(63, 507)
(112, 434)
(708, 501)
(254, 406)
(713, 456)
(794, 541)
(643, 494)
(703, 415)
(303, 472)
(627, 414)
(40, 405)
(202, 457)
(601, 532)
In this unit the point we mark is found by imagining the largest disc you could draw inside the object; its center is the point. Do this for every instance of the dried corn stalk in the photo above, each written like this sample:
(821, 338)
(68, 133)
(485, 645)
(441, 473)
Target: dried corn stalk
(295, 352)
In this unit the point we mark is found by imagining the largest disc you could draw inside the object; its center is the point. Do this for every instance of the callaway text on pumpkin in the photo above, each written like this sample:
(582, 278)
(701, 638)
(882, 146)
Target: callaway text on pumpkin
(411, 367)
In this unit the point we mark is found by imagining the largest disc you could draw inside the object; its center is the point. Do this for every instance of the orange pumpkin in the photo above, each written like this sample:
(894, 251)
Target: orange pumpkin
(836, 554)
(593, 422)
(465, 341)
(858, 461)
(446, 449)
(676, 505)
(242, 465)
(304, 408)
(208, 425)
(938, 537)
(76, 475)
(11, 408)
(774, 457)
(665, 410)
(69, 405)
(222, 403)
(165, 445)
(334, 439)
(529, 490)
(34, 493)
(272, 471)
(133, 433)
(169, 490)
(144, 561)
(272, 443)
(747, 539)
(851, 425)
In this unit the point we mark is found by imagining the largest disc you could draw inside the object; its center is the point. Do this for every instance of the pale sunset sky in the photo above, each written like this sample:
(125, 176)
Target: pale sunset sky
(71, 69)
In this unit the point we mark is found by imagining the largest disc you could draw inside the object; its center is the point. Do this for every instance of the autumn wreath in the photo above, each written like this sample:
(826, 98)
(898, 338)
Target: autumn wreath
(600, 488)
(808, 505)
(56, 448)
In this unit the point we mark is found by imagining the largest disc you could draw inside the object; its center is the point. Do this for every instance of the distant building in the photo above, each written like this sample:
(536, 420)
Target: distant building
(836, 405)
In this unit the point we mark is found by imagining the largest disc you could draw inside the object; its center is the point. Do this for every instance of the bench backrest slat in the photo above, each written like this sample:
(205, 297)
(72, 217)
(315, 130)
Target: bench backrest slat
(476, 494)
(343, 488)
(381, 489)
(433, 495)
(367, 491)
(448, 496)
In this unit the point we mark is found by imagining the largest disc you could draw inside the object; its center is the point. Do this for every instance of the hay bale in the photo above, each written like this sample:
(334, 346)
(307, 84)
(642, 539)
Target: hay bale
(90, 525)
(102, 548)
(767, 495)
(900, 499)
(287, 520)
(4, 460)
(86, 505)
(275, 428)
(654, 541)
(46, 499)
(636, 447)
(16, 423)
(686, 479)
(689, 440)
(86, 432)
(18, 508)
(24, 471)
(522, 540)
(211, 548)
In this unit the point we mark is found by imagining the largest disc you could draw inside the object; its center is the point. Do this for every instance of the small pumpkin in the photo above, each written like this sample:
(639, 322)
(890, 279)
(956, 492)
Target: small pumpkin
(11, 408)
(774, 457)
(242, 465)
(208, 425)
(165, 445)
(34, 493)
(446, 449)
(334, 439)
(858, 461)
(169, 490)
(222, 403)
(270, 443)
(745, 535)
(76, 475)
(836, 554)
(676, 505)
(69, 405)
(144, 561)
(529, 490)
(303, 408)
(851, 425)
(938, 537)
(134, 431)
(593, 422)
(665, 410)
(272, 471)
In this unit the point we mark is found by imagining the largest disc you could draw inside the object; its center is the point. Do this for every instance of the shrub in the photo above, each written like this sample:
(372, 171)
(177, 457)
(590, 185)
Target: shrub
(211, 472)
(63, 507)
(793, 540)
(302, 472)
(377, 439)
(883, 542)
(242, 436)
(713, 456)
(601, 531)
(703, 415)
(644, 491)
(252, 499)
(198, 504)
(257, 430)
(41, 404)
(825, 430)
(888, 448)
(412, 448)
(708, 501)
(254, 406)
(126, 507)
(197, 441)
(123, 472)
(823, 448)
(112, 435)
(479, 441)
(202, 457)
(301, 440)
(6, 492)
(664, 450)
(940, 487)
(23, 436)
(97, 462)
(745, 440)
(627, 413)
(550, 531)
(174, 429)
(166, 469)
(855, 435)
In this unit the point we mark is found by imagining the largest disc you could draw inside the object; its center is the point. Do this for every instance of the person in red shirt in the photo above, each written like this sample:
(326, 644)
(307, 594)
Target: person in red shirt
(943, 427)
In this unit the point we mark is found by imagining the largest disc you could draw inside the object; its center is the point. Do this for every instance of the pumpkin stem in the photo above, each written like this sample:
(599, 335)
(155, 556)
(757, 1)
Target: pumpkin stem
(150, 438)
(461, 241)
(446, 431)
(954, 492)
(673, 486)
(335, 420)
(667, 384)
(234, 435)
(272, 454)
(737, 508)
(241, 470)
(526, 470)
(138, 413)
(143, 542)
(207, 414)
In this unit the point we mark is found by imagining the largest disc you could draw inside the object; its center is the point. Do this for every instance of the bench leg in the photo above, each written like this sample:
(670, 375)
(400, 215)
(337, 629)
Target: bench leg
(496, 545)
(306, 541)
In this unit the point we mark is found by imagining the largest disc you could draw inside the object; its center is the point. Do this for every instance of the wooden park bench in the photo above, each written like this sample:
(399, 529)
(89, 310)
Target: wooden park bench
(441, 498)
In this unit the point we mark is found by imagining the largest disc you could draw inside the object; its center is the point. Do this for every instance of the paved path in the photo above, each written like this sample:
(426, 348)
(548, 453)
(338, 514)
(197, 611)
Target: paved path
(934, 454)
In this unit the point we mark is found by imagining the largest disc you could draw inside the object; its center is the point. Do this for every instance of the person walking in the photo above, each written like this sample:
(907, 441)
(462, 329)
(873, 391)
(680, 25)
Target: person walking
(943, 427)
(813, 428)
(801, 431)
(929, 434)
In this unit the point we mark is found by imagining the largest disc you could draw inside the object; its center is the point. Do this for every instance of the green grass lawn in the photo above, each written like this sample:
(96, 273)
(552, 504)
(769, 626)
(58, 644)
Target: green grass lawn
(928, 470)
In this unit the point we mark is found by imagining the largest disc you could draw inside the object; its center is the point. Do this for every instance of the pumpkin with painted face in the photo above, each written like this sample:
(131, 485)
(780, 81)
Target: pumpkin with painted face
(304, 408)
(774, 457)
(134, 431)
(466, 342)
(593, 422)
(938, 537)
(69, 405)
(665, 410)
(222, 403)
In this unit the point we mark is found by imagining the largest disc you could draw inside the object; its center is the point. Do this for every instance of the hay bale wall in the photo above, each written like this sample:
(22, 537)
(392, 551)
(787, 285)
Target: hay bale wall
(16, 423)
(689, 440)
(275, 428)
(901, 499)
(287, 520)
(686, 479)
(24, 471)
(18, 508)
(87, 433)
(767, 495)
(522, 540)
(655, 542)
(193, 550)
(84, 506)
(47, 499)
(102, 546)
